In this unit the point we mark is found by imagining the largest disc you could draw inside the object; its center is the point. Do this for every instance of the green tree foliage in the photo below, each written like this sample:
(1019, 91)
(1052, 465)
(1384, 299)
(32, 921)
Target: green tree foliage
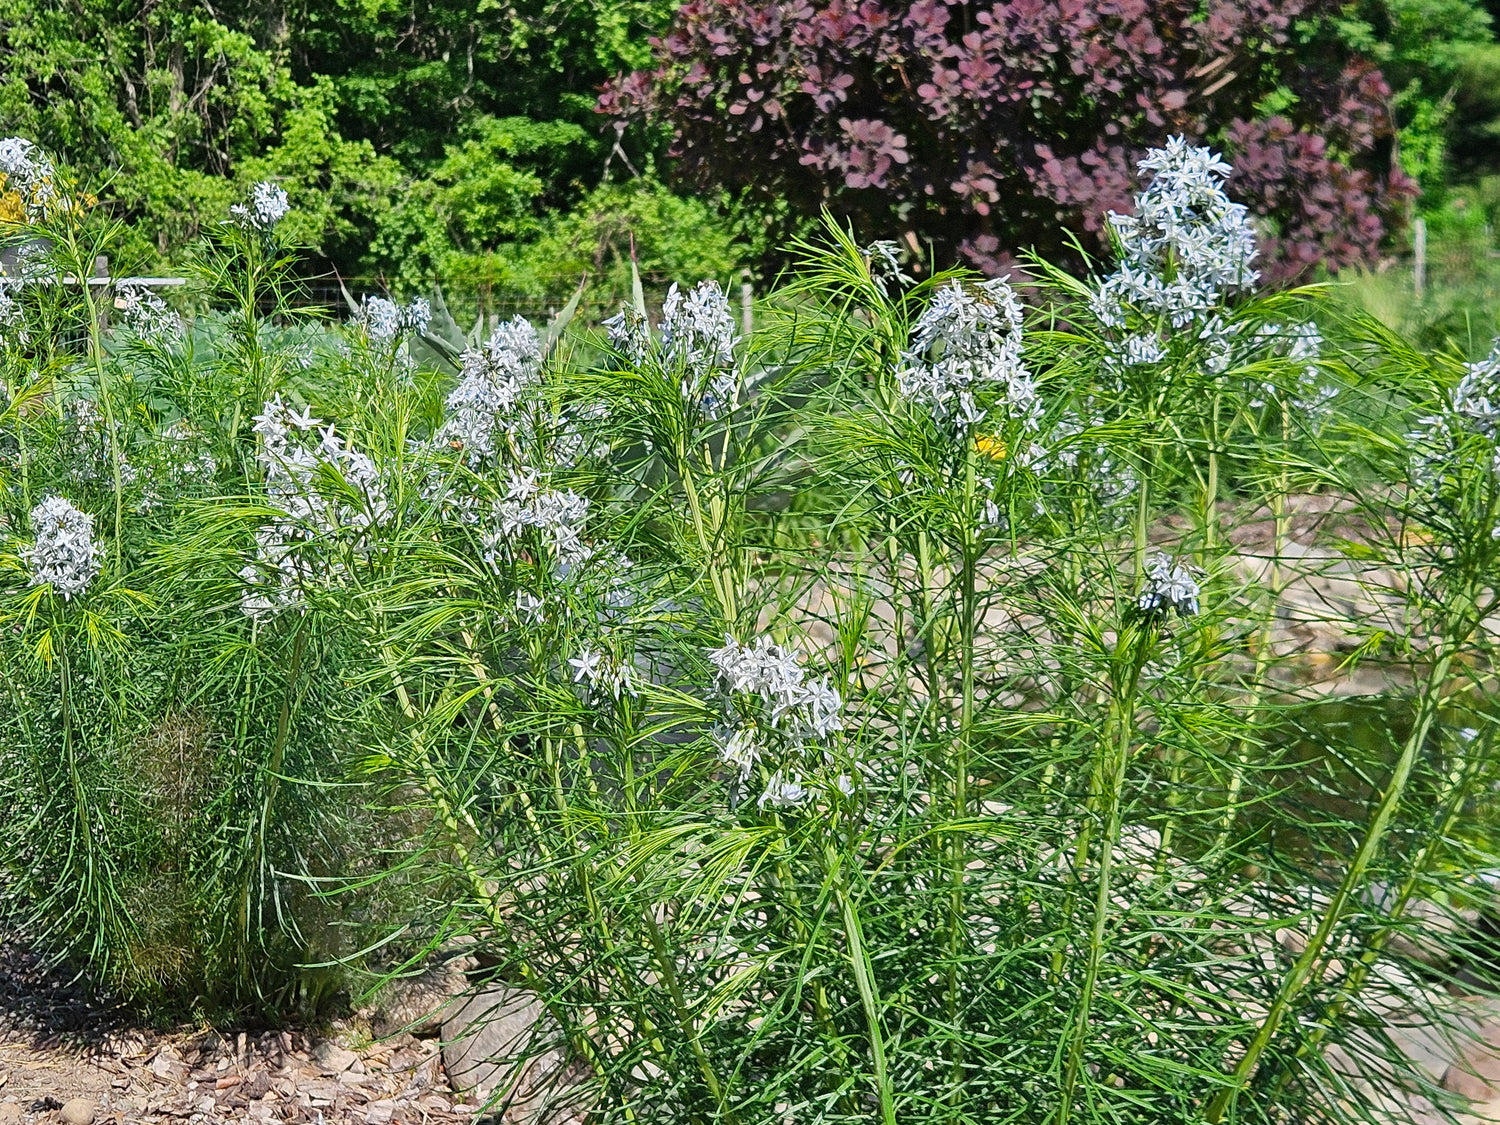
(490, 188)
(411, 76)
(490, 110)
(185, 109)
(1475, 123)
(1433, 53)
(670, 236)
(414, 143)
(456, 138)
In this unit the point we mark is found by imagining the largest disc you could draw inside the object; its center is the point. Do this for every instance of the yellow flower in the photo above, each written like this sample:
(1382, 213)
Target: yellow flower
(991, 447)
(44, 198)
(12, 207)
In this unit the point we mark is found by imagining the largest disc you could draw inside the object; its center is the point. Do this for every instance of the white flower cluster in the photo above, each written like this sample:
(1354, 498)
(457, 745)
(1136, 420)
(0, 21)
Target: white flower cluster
(1302, 345)
(774, 717)
(282, 566)
(29, 173)
(1472, 419)
(629, 334)
(385, 321)
(558, 517)
(86, 439)
(1476, 399)
(597, 671)
(1187, 246)
(530, 609)
(994, 516)
(697, 342)
(1170, 586)
(1139, 349)
(967, 341)
(885, 265)
(578, 437)
(172, 463)
(1111, 480)
(267, 206)
(146, 315)
(64, 554)
(497, 379)
(614, 569)
(606, 579)
(179, 463)
(443, 495)
(697, 335)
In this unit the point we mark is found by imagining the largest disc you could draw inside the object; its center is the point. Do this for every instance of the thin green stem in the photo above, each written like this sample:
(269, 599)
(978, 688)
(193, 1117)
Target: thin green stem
(957, 844)
(1259, 681)
(1113, 776)
(685, 1022)
(1211, 484)
(81, 264)
(1143, 507)
(1451, 800)
(864, 980)
(1302, 971)
(724, 588)
(271, 778)
(927, 606)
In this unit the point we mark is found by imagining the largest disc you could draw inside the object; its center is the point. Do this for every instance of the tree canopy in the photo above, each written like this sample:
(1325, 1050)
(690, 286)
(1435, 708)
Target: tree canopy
(433, 138)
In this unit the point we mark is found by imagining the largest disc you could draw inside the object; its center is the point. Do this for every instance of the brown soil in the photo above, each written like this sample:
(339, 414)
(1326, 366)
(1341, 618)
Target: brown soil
(57, 1044)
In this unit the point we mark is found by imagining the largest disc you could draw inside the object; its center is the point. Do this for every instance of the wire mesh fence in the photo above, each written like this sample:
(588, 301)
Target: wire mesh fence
(482, 308)
(465, 303)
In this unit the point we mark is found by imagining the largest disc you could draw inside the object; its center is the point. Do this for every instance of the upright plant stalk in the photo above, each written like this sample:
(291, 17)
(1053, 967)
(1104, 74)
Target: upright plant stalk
(87, 856)
(455, 819)
(958, 849)
(1210, 532)
(584, 874)
(460, 826)
(723, 584)
(1451, 801)
(1263, 651)
(70, 752)
(1302, 971)
(725, 588)
(1112, 775)
(117, 472)
(1211, 485)
(1143, 504)
(246, 290)
(928, 608)
(864, 980)
(76, 260)
(1465, 611)
(686, 1023)
(661, 952)
(24, 463)
(1085, 836)
(256, 844)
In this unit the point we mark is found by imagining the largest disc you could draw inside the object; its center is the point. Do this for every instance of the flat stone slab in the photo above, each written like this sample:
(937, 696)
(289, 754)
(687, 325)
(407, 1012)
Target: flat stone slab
(502, 1045)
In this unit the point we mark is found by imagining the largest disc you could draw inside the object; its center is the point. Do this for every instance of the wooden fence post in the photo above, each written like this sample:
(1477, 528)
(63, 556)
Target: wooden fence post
(101, 269)
(1419, 255)
(747, 305)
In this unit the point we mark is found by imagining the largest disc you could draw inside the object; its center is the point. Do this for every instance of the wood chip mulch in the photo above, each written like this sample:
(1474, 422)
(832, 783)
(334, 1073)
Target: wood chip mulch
(58, 1046)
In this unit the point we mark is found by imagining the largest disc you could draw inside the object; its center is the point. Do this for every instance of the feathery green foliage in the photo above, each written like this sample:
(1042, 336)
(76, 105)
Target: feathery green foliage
(807, 720)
